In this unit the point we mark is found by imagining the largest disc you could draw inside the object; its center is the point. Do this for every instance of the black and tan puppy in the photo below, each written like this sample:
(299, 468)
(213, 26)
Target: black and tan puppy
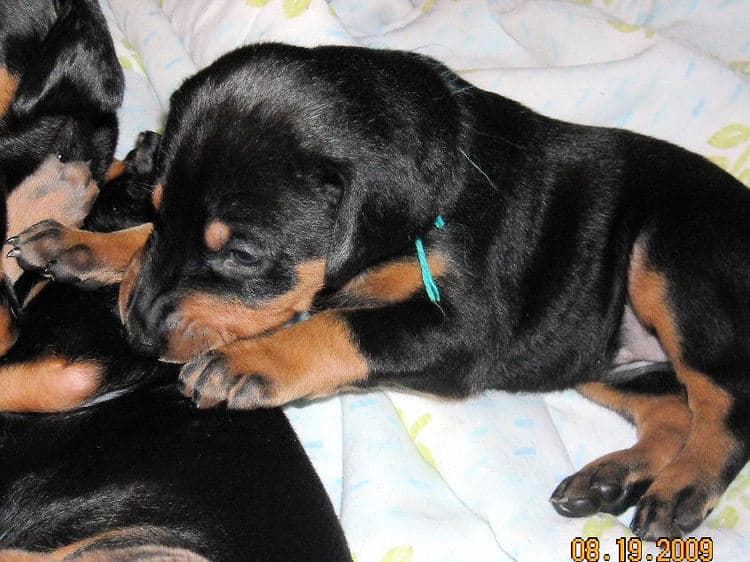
(114, 474)
(295, 179)
(138, 473)
(60, 85)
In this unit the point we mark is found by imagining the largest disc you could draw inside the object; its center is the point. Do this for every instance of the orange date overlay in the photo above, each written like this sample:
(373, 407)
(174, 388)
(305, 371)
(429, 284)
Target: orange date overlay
(630, 549)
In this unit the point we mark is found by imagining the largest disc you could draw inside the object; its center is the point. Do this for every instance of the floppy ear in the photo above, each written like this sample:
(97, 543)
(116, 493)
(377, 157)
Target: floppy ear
(76, 69)
(380, 213)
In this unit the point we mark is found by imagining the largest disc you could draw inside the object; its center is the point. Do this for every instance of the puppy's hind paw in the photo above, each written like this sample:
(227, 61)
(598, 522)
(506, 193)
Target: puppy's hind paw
(609, 487)
(674, 517)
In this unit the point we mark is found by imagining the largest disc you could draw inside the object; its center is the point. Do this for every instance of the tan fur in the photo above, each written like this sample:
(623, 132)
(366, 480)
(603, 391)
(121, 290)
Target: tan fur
(709, 443)
(107, 258)
(395, 281)
(663, 424)
(8, 330)
(216, 235)
(115, 250)
(129, 280)
(206, 321)
(314, 358)
(157, 196)
(49, 384)
(115, 170)
(8, 86)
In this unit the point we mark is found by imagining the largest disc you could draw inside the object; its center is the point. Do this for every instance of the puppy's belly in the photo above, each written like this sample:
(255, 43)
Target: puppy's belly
(639, 351)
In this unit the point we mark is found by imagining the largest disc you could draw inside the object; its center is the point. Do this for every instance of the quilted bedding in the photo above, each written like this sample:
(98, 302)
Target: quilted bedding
(420, 480)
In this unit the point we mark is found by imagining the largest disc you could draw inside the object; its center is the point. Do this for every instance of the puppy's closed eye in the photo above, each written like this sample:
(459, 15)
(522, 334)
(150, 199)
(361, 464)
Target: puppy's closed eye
(243, 258)
(237, 261)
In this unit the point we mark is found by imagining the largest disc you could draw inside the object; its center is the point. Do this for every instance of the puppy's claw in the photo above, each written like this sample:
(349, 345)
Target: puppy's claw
(569, 506)
(204, 380)
(13, 252)
(251, 391)
(48, 270)
(209, 382)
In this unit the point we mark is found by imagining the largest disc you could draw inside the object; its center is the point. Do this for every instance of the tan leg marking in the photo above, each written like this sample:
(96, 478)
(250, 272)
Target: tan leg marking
(709, 443)
(615, 481)
(8, 86)
(34, 291)
(88, 256)
(698, 468)
(115, 170)
(115, 250)
(313, 358)
(50, 384)
(204, 321)
(662, 422)
(394, 282)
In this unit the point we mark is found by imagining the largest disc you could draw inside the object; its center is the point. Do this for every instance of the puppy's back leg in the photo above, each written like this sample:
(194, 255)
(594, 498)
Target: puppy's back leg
(614, 482)
(700, 330)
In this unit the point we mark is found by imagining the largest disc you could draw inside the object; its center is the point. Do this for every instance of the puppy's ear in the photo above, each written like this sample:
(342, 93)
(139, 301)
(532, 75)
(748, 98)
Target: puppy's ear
(76, 69)
(333, 181)
(379, 214)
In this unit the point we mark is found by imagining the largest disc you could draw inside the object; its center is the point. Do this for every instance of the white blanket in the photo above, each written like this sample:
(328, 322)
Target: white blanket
(420, 480)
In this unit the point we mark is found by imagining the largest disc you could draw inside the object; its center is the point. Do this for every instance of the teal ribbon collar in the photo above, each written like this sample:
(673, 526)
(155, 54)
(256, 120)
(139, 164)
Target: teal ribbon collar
(429, 281)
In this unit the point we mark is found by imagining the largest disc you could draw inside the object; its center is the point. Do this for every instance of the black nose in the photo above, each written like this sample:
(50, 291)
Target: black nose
(146, 321)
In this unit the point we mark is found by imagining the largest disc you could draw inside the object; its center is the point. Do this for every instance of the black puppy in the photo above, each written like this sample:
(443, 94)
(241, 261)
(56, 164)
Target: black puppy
(138, 473)
(60, 85)
(447, 240)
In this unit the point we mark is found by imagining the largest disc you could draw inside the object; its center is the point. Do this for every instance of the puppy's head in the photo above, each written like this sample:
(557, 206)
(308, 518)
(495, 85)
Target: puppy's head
(284, 171)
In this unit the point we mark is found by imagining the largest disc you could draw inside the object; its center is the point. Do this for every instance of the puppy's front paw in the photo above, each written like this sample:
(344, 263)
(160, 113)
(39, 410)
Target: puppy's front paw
(210, 381)
(51, 249)
(69, 255)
